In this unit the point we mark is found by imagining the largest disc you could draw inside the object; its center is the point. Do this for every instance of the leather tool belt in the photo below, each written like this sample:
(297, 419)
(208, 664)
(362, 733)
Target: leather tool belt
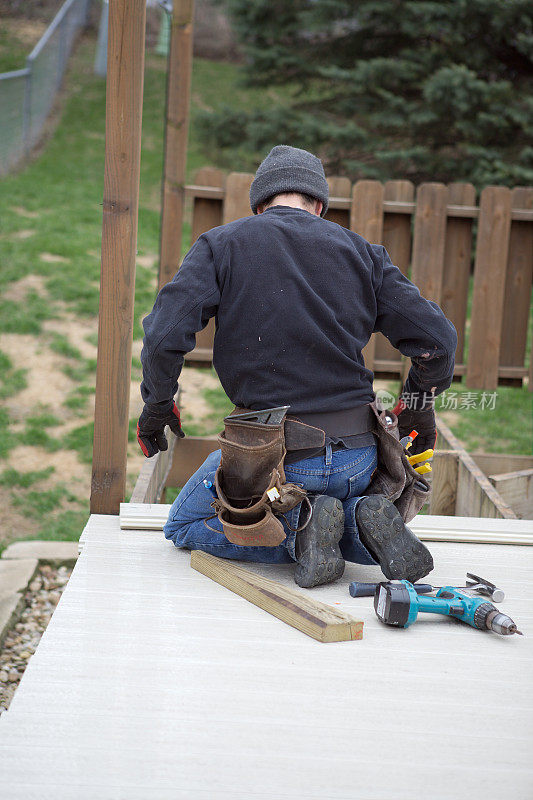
(250, 482)
(251, 485)
(394, 477)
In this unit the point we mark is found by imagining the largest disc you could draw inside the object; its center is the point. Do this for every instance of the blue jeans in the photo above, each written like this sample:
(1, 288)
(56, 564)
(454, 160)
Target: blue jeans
(344, 474)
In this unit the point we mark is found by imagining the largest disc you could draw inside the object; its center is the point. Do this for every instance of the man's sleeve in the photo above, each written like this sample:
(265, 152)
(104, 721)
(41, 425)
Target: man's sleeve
(417, 328)
(183, 307)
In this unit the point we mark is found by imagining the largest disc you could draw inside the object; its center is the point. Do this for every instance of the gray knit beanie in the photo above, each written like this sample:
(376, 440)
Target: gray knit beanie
(289, 169)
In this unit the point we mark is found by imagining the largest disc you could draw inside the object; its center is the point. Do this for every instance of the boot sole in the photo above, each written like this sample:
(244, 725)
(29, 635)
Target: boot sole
(322, 561)
(399, 553)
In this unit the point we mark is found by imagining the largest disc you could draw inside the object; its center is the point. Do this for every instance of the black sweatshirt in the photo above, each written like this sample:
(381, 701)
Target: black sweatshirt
(296, 298)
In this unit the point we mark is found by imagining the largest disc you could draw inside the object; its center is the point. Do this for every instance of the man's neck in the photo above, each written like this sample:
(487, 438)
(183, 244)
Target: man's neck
(288, 199)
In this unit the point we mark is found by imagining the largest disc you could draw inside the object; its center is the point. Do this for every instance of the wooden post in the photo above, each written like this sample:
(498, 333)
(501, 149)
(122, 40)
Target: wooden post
(176, 134)
(125, 70)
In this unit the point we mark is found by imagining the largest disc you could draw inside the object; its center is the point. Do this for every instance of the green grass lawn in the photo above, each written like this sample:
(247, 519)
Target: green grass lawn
(50, 229)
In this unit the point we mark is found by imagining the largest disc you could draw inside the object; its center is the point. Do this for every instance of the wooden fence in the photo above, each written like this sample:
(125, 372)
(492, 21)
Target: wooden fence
(430, 234)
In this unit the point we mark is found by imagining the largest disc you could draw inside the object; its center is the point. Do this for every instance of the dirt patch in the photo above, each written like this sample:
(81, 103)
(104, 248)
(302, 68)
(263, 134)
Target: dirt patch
(25, 233)
(192, 402)
(52, 258)
(147, 260)
(67, 469)
(18, 290)
(192, 384)
(46, 382)
(23, 212)
(27, 31)
(77, 330)
(451, 418)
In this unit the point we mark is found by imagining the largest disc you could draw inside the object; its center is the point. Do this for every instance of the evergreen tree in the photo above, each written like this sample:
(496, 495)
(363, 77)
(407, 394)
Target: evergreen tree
(391, 88)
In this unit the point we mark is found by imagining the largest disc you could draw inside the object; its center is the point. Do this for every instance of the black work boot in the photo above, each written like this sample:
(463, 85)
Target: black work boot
(318, 556)
(383, 532)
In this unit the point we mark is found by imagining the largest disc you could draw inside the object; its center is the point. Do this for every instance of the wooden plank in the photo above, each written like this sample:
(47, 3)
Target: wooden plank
(516, 488)
(444, 483)
(340, 189)
(237, 196)
(429, 239)
(366, 219)
(457, 261)
(200, 356)
(494, 463)
(124, 96)
(472, 530)
(189, 456)
(150, 485)
(206, 192)
(476, 496)
(321, 622)
(489, 284)
(206, 212)
(366, 216)
(429, 527)
(503, 372)
(176, 135)
(143, 516)
(464, 212)
(518, 281)
(397, 243)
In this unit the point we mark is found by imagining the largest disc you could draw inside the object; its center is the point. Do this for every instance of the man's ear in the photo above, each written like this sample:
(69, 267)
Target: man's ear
(318, 207)
(260, 208)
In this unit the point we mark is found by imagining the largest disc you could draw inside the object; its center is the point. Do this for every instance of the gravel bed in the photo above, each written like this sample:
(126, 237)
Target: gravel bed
(41, 596)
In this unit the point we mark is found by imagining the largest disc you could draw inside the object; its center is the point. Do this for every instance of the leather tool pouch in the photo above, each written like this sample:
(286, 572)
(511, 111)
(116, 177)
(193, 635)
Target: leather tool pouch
(394, 477)
(250, 483)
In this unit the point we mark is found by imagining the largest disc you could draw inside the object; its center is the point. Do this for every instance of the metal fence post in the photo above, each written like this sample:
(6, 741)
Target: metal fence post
(26, 118)
(32, 98)
(61, 50)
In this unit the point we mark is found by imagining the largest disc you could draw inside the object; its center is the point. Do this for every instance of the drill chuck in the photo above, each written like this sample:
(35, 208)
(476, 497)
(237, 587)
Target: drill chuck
(501, 623)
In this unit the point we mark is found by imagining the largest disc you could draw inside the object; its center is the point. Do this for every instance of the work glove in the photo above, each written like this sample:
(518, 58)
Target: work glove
(421, 420)
(151, 428)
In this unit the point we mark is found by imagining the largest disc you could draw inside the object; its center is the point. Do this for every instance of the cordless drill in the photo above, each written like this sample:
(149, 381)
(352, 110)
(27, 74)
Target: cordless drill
(398, 603)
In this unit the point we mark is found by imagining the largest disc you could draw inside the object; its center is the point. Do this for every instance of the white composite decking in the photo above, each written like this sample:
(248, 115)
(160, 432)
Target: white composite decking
(152, 682)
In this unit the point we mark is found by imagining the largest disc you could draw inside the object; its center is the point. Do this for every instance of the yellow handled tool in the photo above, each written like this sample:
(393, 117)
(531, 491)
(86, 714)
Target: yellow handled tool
(422, 468)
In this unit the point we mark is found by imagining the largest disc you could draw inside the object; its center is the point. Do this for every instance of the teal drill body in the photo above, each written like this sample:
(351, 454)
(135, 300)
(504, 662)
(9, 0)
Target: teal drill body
(398, 603)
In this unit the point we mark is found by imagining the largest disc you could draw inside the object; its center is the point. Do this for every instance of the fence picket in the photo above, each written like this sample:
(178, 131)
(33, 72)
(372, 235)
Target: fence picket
(397, 242)
(206, 212)
(457, 260)
(366, 219)
(489, 284)
(339, 187)
(428, 239)
(518, 282)
(237, 196)
(441, 258)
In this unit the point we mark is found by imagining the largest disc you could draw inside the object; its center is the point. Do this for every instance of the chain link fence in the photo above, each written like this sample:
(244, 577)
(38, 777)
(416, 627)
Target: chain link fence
(27, 95)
